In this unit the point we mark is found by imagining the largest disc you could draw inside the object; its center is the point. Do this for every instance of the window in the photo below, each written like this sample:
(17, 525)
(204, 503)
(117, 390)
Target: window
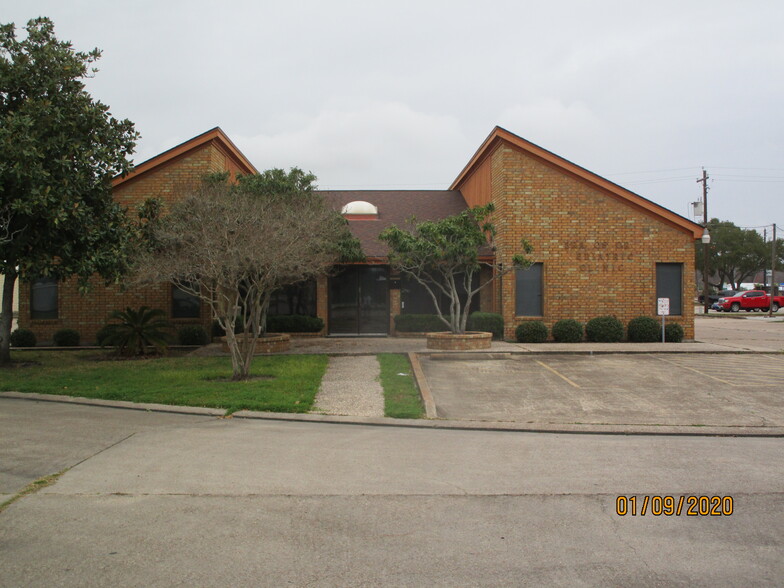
(528, 291)
(43, 299)
(185, 304)
(669, 284)
(294, 299)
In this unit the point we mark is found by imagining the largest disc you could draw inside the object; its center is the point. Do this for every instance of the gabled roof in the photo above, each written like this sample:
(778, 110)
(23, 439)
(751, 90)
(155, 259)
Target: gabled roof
(215, 136)
(395, 207)
(500, 135)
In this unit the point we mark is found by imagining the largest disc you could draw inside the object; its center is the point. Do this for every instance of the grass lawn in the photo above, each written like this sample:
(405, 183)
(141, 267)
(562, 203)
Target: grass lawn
(401, 396)
(288, 383)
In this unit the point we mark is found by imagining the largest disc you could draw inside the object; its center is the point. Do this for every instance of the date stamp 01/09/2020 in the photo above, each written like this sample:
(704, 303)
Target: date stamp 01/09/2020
(691, 506)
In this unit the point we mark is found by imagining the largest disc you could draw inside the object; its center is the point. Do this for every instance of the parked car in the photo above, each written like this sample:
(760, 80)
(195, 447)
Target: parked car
(750, 300)
(714, 298)
(719, 295)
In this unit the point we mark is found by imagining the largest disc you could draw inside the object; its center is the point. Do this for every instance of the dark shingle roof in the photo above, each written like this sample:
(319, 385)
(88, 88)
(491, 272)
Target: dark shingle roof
(395, 207)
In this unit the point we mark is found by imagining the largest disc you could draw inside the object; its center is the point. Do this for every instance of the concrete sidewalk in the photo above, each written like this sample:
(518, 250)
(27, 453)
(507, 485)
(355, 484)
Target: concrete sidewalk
(744, 333)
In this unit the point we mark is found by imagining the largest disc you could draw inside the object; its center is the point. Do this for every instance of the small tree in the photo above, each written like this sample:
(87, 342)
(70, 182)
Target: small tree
(59, 150)
(442, 255)
(233, 245)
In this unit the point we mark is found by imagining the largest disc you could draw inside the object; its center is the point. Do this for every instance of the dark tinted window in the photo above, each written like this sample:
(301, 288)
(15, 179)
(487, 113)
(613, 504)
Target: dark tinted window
(295, 299)
(528, 291)
(185, 304)
(43, 299)
(669, 284)
(416, 299)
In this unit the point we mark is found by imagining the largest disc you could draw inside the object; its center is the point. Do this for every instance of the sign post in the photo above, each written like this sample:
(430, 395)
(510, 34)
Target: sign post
(663, 309)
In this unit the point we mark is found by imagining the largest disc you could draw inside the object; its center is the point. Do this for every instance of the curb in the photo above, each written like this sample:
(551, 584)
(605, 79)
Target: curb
(440, 424)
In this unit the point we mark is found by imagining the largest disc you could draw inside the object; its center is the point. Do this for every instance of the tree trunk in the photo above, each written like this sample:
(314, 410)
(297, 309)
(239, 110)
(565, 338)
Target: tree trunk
(7, 318)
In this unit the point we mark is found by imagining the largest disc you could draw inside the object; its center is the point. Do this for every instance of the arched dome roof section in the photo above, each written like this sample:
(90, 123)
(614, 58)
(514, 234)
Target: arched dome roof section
(360, 207)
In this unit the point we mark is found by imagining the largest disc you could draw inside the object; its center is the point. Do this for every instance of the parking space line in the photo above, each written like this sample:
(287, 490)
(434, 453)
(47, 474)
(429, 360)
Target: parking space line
(560, 375)
(675, 363)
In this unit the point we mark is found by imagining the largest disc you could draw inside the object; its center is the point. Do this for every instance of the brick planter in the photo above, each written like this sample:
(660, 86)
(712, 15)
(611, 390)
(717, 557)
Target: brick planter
(272, 343)
(468, 341)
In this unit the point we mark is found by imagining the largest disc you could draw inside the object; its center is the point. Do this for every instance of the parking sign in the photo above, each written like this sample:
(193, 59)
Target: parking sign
(663, 306)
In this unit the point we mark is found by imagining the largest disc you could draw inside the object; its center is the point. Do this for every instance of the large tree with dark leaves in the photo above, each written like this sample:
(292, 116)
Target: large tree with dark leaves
(59, 150)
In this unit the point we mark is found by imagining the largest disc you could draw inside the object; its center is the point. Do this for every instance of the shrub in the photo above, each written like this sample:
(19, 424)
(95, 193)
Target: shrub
(643, 329)
(102, 335)
(487, 321)
(673, 333)
(138, 330)
(419, 323)
(604, 329)
(294, 323)
(192, 335)
(531, 332)
(66, 338)
(22, 338)
(568, 331)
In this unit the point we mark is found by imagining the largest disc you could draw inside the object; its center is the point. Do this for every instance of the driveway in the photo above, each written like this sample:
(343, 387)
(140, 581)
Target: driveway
(725, 390)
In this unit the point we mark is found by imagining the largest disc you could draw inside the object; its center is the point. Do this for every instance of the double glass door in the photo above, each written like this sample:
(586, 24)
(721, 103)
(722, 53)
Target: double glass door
(359, 301)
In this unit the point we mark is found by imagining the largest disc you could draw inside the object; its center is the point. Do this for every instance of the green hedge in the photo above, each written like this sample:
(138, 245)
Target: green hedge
(643, 329)
(103, 335)
(531, 332)
(568, 331)
(22, 338)
(604, 329)
(293, 323)
(192, 335)
(419, 323)
(673, 333)
(66, 338)
(486, 321)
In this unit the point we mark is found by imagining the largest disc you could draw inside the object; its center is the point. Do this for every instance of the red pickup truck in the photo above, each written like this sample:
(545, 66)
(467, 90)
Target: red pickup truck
(750, 300)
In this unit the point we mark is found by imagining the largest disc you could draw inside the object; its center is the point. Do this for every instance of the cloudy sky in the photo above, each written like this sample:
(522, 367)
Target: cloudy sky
(400, 94)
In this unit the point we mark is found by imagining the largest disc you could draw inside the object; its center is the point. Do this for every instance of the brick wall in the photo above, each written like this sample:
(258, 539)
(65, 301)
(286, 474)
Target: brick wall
(88, 313)
(599, 253)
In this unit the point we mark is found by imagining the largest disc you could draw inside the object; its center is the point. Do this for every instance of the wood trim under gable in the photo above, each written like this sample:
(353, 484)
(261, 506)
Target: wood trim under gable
(500, 135)
(216, 136)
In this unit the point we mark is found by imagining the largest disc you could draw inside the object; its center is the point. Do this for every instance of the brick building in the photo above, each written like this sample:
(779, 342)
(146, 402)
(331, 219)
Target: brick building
(598, 248)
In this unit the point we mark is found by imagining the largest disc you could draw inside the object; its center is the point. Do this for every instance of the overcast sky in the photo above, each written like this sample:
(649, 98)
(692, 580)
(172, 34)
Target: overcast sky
(400, 94)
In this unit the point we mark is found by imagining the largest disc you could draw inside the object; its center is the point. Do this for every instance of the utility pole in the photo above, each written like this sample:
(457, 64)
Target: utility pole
(772, 271)
(705, 246)
(765, 270)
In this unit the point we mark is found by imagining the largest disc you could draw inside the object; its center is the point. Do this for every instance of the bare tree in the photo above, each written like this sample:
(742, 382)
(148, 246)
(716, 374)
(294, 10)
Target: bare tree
(233, 246)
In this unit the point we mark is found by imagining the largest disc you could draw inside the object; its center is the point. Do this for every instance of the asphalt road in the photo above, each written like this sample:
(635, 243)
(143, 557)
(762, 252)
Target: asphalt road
(166, 500)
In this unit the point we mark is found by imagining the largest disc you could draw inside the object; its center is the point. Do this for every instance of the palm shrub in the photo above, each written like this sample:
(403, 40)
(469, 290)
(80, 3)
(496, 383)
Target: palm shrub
(673, 333)
(66, 338)
(138, 330)
(604, 329)
(568, 331)
(643, 329)
(531, 332)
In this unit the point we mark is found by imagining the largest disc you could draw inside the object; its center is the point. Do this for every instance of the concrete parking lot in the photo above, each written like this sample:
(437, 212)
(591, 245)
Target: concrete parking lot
(644, 389)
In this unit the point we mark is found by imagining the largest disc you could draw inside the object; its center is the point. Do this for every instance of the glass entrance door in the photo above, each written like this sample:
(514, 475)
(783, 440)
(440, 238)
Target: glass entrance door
(359, 301)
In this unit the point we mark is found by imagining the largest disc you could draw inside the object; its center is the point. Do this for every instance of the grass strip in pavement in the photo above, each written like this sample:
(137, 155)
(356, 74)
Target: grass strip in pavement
(32, 488)
(281, 383)
(401, 396)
